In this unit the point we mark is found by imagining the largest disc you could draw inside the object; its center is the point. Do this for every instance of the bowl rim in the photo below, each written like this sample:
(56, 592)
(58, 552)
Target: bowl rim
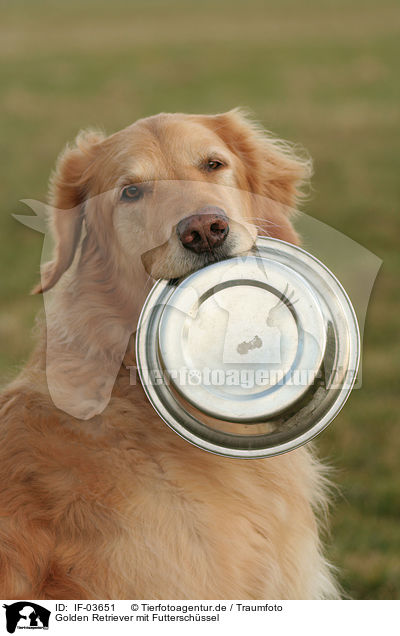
(349, 378)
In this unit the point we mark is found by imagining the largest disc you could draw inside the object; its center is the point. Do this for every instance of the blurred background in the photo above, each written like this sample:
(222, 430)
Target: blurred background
(319, 73)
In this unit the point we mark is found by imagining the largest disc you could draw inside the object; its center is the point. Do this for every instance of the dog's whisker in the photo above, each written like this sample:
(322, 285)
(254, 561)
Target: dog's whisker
(267, 222)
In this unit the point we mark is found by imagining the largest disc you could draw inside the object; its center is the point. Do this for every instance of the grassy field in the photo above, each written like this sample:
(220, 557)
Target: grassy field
(322, 74)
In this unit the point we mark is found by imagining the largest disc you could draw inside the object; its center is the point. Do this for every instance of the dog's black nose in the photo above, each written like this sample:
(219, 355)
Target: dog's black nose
(203, 231)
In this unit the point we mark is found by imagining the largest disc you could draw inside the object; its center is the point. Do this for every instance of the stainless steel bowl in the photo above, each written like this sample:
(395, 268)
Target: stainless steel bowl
(252, 356)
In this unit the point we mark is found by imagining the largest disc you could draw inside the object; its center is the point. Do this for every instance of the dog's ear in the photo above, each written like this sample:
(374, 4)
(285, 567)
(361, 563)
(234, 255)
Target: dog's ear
(68, 189)
(271, 167)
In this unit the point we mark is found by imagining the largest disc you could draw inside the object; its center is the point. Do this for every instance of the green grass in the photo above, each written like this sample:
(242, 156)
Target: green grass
(322, 74)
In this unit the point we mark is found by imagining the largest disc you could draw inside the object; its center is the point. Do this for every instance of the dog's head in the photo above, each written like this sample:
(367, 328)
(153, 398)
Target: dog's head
(159, 199)
(172, 191)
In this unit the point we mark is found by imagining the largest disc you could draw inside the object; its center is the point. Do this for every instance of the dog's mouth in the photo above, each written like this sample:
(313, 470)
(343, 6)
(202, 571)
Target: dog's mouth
(222, 253)
(174, 261)
(212, 256)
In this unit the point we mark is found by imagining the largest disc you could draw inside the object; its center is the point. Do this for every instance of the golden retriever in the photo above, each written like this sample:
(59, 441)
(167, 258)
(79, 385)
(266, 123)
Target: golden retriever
(99, 498)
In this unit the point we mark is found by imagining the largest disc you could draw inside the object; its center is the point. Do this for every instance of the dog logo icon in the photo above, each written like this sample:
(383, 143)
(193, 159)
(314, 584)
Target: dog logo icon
(26, 615)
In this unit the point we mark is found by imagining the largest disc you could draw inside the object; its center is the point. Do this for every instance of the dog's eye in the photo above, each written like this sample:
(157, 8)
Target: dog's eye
(214, 164)
(130, 193)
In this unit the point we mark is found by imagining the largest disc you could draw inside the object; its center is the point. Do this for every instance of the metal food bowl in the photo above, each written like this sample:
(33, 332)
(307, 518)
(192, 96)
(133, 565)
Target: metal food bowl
(252, 356)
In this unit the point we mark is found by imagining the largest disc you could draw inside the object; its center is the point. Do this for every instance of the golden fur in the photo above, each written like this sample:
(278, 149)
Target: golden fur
(99, 498)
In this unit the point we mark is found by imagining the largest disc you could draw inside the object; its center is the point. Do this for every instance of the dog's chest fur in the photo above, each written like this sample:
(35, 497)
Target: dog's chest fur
(122, 507)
